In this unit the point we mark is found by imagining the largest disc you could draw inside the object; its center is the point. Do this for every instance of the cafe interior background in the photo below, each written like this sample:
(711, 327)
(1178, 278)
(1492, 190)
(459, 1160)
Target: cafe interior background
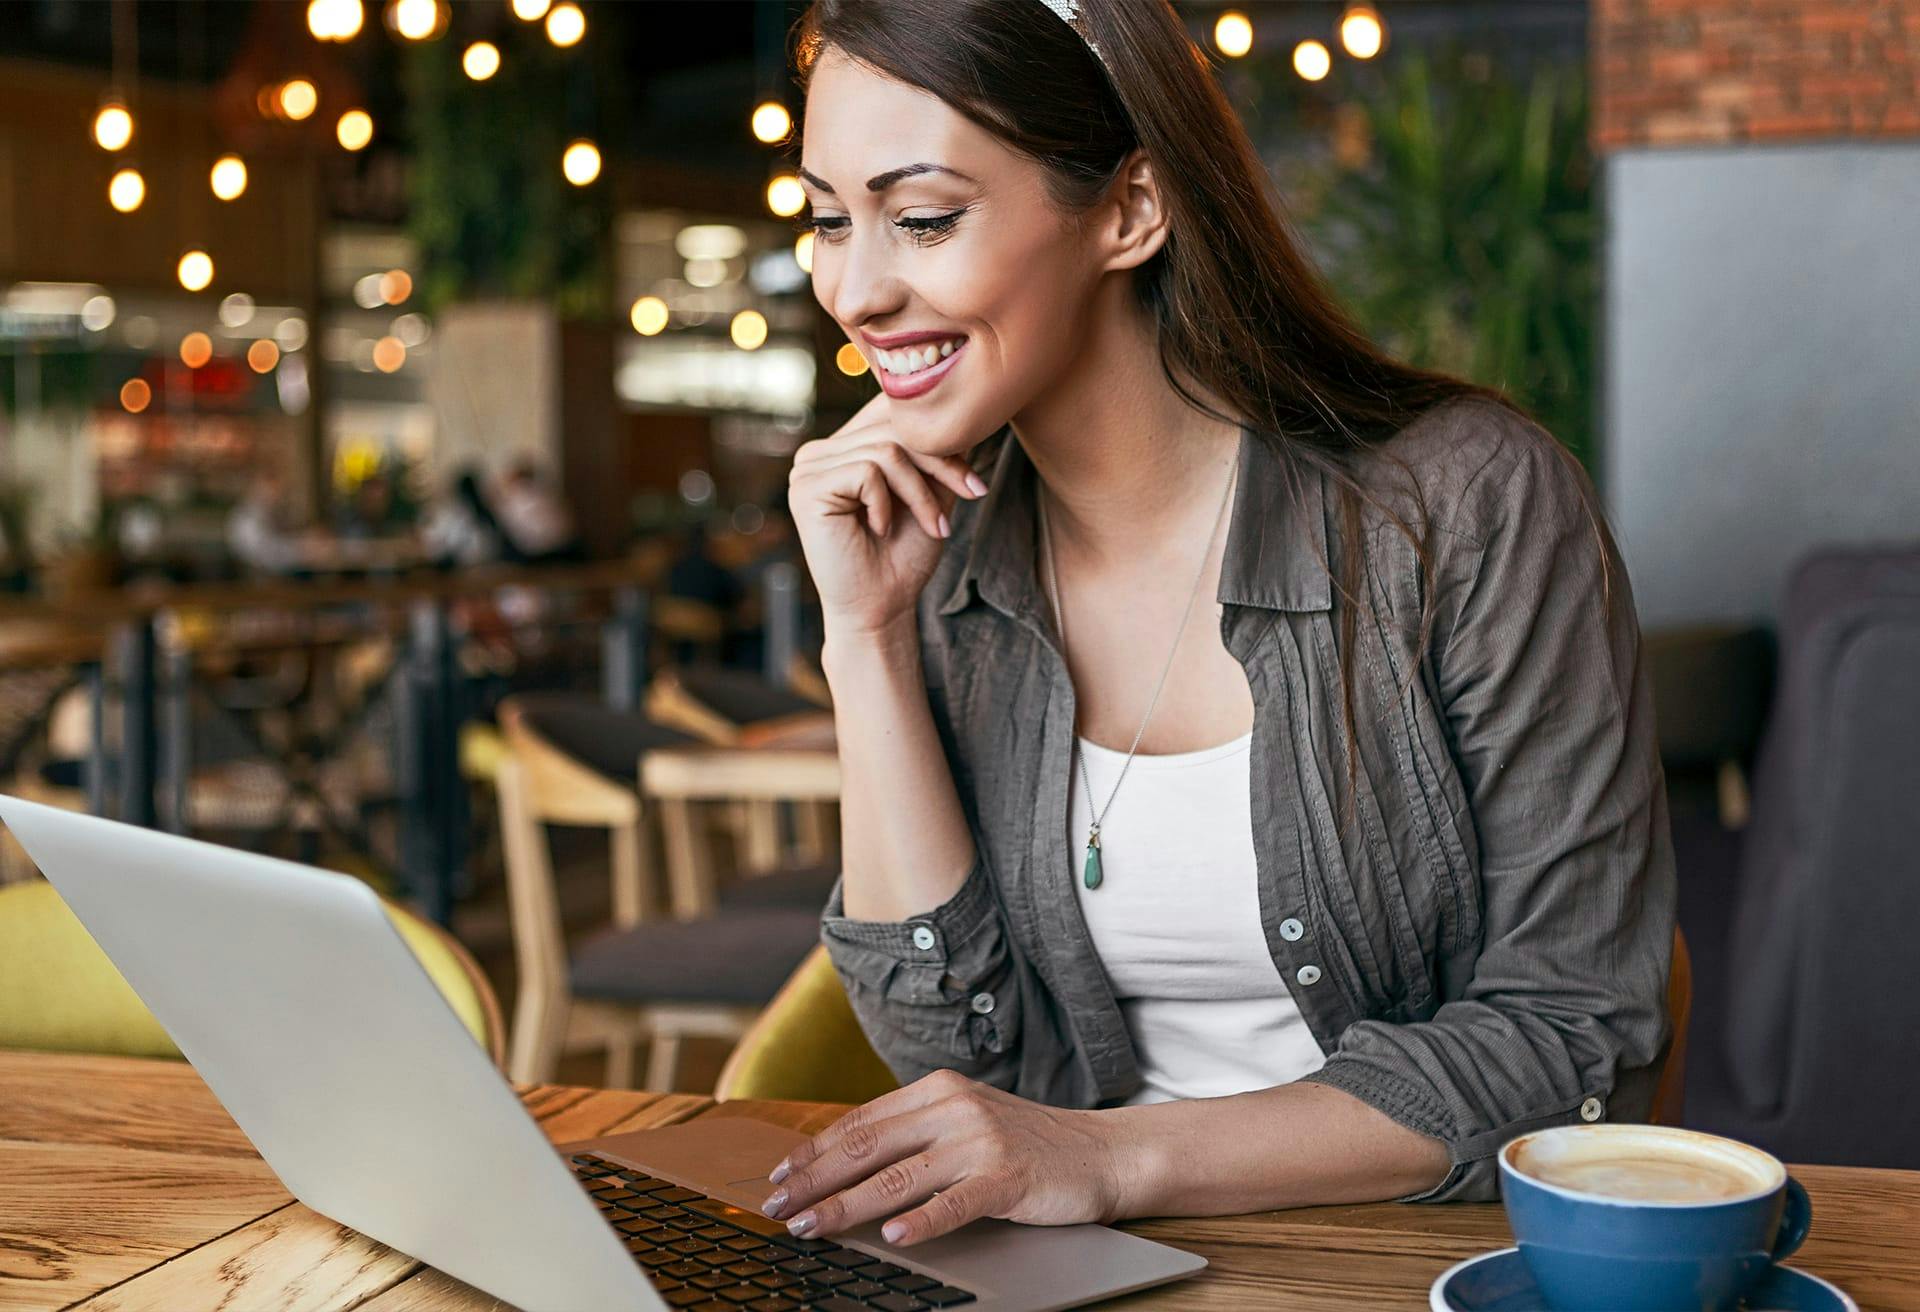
(396, 398)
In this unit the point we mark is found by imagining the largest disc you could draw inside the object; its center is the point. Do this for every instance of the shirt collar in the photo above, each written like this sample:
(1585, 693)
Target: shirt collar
(1276, 550)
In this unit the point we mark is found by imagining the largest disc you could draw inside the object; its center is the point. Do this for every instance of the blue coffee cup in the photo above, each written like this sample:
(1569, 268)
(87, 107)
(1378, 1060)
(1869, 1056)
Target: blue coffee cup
(1642, 1218)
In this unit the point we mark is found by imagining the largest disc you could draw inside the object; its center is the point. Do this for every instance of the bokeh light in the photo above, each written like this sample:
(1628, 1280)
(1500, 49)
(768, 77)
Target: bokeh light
(263, 355)
(649, 315)
(126, 190)
(113, 127)
(135, 395)
(335, 20)
(785, 196)
(298, 99)
(1233, 34)
(531, 11)
(771, 122)
(389, 353)
(1361, 32)
(566, 25)
(195, 350)
(1312, 61)
(417, 20)
(748, 330)
(196, 271)
(803, 252)
(355, 129)
(228, 177)
(581, 163)
(849, 360)
(481, 60)
(395, 286)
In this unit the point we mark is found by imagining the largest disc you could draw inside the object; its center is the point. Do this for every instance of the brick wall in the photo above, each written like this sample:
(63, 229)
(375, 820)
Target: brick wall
(1675, 72)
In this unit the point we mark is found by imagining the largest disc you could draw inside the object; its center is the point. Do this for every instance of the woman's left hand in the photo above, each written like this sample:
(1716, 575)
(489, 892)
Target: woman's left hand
(944, 1151)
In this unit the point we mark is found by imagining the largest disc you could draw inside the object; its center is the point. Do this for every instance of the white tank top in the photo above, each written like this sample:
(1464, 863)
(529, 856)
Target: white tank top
(1176, 921)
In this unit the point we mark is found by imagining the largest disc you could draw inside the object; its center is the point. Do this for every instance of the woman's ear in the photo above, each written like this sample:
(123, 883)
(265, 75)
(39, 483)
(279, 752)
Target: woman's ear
(1135, 224)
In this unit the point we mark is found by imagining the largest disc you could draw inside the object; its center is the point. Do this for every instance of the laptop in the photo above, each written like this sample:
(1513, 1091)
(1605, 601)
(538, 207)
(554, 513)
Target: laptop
(305, 1012)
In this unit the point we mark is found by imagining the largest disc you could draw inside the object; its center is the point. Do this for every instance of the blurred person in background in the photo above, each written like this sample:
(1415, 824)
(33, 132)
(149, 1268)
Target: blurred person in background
(535, 520)
(260, 528)
(460, 529)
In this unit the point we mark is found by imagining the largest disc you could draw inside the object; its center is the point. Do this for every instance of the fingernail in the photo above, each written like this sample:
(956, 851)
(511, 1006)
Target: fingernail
(894, 1231)
(780, 1172)
(976, 484)
(802, 1225)
(775, 1201)
(946, 529)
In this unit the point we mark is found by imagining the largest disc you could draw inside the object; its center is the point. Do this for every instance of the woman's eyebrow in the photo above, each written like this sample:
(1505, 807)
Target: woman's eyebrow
(881, 181)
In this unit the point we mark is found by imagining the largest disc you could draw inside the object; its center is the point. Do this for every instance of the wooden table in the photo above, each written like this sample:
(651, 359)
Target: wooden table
(124, 1186)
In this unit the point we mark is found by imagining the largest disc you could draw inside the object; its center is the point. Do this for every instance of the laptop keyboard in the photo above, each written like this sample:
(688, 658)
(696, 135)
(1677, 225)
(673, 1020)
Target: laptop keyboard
(709, 1256)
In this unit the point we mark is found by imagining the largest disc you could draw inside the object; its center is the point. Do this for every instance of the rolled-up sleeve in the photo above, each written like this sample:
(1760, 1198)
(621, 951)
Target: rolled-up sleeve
(1535, 663)
(938, 990)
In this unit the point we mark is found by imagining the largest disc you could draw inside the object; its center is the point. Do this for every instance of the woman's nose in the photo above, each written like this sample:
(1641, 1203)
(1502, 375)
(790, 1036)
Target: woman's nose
(865, 284)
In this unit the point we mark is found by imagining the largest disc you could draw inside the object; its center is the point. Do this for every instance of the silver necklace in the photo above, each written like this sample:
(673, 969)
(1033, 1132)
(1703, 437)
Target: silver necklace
(1091, 873)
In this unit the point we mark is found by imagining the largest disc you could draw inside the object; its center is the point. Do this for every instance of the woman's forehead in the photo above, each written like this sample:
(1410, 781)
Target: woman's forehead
(861, 123)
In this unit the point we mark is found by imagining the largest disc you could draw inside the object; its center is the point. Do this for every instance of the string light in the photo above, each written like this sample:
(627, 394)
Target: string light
(1312, 61)
(649, 315)
(113, 126)
(298, 99)
(228, 177)
(355, 129)
(135, 395)
(196, 271)
(481, 60)
(748, 330)
(566, 25)
(849, 360)
(581, 163)
(1362, 33)
(531, 11)
(263, 355)
(771, 122)
(127, 190)
(335, 20)
(1233, 34)
(803, 252)
(785, 195)
(195, 350)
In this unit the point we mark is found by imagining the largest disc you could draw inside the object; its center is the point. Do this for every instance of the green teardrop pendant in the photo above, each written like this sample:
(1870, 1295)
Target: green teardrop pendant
(1092, 873)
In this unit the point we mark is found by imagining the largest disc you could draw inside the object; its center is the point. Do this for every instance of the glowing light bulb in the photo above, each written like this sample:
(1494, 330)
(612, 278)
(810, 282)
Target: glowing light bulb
(1312, 61)
(127, 190)
(481, 60)
(228, 177)
(113, 127)
(785, 195)
(354, 130)
(1233, 34)
(581, 163)
(566, 25)
(196, 271)
(649, 315)
(771, 121)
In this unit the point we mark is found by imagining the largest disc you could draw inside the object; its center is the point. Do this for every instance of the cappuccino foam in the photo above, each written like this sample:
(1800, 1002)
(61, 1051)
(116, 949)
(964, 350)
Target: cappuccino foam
(1644, 1164)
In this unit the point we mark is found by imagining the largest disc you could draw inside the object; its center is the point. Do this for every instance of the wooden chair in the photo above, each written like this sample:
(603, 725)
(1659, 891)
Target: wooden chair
(1669, 1094)
(59, 992)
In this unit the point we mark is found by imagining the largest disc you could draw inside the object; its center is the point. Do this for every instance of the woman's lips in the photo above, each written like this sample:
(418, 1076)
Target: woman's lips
(904, 387)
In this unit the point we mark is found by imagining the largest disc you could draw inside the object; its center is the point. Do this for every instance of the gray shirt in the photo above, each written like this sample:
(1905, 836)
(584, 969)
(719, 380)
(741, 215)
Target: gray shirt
(1481, 950)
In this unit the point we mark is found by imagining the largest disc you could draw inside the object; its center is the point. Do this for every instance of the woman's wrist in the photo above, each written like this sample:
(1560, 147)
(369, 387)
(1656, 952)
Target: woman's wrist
(854, 650)
(1139, 1160)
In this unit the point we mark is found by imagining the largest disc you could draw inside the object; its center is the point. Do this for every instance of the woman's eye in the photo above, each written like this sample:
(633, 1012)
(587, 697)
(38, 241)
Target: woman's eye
(921, 227)
(825, 227)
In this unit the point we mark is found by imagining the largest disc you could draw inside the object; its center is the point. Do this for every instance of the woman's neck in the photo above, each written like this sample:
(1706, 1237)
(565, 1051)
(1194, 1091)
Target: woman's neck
(1123, 458)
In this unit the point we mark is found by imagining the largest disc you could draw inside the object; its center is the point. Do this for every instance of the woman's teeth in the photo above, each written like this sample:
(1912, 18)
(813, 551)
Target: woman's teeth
(912, 359)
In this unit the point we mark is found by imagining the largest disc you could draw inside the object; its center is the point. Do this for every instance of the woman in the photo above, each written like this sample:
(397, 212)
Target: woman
(1315, 891)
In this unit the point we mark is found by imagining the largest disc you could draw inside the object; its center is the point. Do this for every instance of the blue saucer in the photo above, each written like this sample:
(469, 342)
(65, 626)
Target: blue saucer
(1500, 1282)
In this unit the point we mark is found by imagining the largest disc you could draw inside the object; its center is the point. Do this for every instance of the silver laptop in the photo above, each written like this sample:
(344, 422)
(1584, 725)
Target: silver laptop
(313, 1023)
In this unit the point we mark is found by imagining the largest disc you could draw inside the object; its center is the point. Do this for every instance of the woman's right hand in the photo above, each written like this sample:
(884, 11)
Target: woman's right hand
(872, 516)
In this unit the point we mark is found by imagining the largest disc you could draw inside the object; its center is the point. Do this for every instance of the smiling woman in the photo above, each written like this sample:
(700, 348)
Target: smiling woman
(1376, 874)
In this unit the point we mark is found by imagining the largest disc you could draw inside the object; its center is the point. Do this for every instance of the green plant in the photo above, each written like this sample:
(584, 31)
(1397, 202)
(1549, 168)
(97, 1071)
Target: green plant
(487, 203)
(1460, 228)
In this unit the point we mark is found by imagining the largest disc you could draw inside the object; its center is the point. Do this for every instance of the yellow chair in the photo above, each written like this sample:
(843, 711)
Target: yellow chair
(59, 992)
(806, 1046)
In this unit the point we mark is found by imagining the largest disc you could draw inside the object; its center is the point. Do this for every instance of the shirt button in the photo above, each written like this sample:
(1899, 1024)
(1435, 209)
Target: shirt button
(1291, 930)
(923, 938)
(982, 1003)
(1592, 1109)
(1308, 974)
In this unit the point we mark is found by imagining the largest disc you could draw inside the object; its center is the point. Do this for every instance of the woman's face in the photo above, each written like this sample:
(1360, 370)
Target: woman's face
(932, 236)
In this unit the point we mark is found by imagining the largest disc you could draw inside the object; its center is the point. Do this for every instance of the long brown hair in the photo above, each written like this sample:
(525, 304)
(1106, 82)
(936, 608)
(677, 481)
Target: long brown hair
(1239, 307)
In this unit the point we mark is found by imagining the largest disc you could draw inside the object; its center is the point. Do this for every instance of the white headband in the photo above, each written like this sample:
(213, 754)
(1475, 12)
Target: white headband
(1068, 12)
